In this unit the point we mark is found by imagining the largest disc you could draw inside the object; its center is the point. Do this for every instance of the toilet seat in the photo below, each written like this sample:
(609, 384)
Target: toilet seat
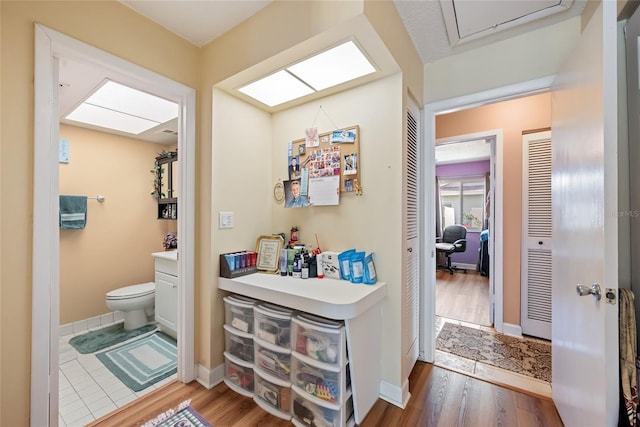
(133, 291)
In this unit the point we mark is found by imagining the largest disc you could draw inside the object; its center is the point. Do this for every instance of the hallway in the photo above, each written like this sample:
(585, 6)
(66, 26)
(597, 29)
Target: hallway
(463, 299)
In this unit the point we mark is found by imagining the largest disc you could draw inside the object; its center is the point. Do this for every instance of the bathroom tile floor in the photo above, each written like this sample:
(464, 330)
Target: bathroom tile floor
(87, 389)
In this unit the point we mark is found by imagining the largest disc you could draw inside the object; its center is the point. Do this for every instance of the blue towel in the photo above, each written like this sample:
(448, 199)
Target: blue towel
(484, 235)
(73, 211)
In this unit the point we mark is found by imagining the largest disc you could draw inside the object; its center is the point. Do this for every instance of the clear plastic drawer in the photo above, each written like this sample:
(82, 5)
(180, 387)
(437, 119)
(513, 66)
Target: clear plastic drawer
(311, 414)
(239, 312)
(272, 359)
(238, 375)
(274, 392)
(321, 380)
(272, 324)
(238, 344)
(318, 338)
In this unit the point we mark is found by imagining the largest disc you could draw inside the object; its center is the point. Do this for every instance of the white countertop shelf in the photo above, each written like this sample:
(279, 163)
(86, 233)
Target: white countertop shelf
(334, 299)
(170, 255)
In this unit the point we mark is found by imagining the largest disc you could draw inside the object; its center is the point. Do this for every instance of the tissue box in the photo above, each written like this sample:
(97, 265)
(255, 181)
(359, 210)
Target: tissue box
(330, 265)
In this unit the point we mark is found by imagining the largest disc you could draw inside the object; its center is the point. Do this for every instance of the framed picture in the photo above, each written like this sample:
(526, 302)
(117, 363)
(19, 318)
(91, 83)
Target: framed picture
(269, 248)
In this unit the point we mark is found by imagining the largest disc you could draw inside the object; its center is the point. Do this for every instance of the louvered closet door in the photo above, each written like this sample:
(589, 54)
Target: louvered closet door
(410, 303)
(536, 235)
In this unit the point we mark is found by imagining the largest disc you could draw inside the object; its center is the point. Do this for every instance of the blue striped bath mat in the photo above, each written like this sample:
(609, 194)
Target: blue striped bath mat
(143, 362)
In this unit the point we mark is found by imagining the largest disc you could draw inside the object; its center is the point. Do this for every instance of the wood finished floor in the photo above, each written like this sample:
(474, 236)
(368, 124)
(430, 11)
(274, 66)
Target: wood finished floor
(463, 296)
(439, 397)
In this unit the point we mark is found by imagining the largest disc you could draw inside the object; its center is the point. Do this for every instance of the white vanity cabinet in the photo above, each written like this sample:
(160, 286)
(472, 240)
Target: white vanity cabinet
(166, 278)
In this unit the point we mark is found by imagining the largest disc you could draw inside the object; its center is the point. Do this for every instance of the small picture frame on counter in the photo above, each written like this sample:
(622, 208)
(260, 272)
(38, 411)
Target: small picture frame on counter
(268, 248)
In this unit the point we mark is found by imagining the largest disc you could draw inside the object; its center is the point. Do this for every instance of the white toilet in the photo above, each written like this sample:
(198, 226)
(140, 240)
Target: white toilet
(135, 301)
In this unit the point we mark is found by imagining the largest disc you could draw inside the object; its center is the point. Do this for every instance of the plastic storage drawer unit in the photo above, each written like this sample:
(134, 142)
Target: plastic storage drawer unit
(272, 324)
(318, 338)
(238, 344)
(238, 375)
(309, 414)
(239, 312)
(272, 359)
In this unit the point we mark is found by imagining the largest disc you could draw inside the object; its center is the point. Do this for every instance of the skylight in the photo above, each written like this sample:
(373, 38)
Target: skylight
(118, 107)
(330, 68)
(276, 89)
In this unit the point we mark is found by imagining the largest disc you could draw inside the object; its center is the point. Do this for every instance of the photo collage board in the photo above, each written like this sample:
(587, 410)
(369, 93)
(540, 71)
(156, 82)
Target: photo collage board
(321, 166)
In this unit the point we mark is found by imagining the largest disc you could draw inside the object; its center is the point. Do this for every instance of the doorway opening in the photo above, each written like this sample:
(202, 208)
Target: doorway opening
(498, 216)
(463, 184)
(51, 48)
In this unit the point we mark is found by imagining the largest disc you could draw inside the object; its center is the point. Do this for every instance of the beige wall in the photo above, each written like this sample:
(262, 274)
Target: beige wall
(114, 249)
(526, 57)
(513, 117)
(371, 222)
(107, 25)
(241, 149)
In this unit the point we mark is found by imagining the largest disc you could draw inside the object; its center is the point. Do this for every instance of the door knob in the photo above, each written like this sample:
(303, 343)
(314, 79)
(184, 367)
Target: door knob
(594, 290)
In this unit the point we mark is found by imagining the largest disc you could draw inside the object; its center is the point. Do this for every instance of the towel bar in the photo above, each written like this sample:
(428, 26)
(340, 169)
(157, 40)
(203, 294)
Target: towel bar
(99, 198)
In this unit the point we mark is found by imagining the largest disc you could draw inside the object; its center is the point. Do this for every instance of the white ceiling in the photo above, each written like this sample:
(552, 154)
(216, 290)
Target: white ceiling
(201, 21)
(463, 151)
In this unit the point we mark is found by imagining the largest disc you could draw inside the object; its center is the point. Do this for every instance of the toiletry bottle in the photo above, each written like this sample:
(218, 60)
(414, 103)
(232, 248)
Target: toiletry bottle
(283, 262)
(319, 266)
(305, 271)
(297, 266)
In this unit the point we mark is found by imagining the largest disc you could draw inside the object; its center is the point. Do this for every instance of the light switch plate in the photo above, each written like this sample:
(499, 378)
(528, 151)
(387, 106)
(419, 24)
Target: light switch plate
(225, 220)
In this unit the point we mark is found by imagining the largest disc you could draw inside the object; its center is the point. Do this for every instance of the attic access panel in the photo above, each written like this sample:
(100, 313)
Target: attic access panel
(469, 20)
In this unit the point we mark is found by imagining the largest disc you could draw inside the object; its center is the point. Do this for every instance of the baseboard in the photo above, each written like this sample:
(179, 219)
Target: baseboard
(209, 378)
(395, 395)
(512, 330)
(85, 325)
(463, 266)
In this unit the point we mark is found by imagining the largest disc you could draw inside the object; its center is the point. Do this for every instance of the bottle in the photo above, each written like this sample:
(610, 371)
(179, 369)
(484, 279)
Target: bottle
(297, 266)
(305, 271)
(320, 271)
(283, 262)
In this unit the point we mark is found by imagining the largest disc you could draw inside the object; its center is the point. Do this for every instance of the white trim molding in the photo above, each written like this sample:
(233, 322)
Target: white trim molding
(209, 378)
(512, 330)
(395, 395)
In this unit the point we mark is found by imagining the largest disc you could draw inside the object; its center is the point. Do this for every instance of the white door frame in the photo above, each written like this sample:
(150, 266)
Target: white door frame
(427, 264)
(51, 45)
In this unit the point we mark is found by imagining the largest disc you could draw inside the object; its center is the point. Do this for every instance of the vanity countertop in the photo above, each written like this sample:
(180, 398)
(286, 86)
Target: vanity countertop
(169, 255)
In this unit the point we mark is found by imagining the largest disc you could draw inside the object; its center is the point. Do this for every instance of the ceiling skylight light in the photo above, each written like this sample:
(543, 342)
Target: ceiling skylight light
(332, 67)
(122, 108)
(276, 89)
(329, 68)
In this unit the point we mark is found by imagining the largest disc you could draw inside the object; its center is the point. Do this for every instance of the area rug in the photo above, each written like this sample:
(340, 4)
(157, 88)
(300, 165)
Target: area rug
(525, 357)
(143, 362)
(185, 416)
(106, 337)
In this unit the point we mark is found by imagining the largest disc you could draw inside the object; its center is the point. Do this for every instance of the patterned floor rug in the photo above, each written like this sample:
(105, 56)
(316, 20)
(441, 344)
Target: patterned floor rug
(185, 416)
(106, 337)
(526, 357)
(143, 362)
